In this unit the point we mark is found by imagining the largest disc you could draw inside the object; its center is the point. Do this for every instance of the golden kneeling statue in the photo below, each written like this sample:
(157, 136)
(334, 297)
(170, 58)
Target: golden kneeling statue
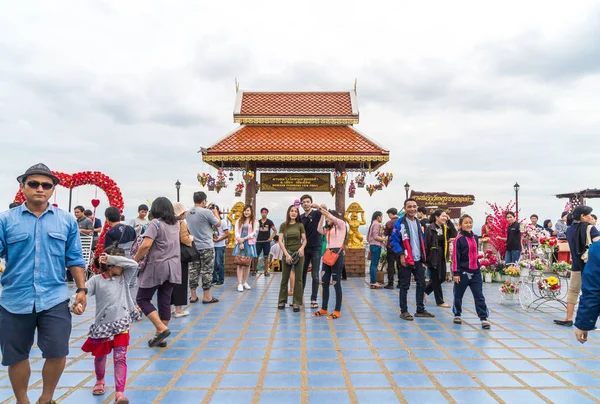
(355, 216)
(233, 216)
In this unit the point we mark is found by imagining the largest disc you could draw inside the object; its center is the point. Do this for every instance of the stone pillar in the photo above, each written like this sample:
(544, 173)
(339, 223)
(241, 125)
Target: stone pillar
(340, 189)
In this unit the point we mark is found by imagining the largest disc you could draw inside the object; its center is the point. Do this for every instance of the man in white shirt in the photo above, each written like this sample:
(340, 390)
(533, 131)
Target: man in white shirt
(220, 237)
(141, 220)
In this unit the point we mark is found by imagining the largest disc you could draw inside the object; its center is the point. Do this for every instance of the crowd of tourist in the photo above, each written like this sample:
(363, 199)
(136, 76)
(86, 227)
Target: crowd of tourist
(168, 251)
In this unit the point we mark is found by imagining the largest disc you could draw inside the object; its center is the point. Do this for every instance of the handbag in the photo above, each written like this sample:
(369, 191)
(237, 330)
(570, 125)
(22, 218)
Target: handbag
(588, 243)
(242, 260)
(189, 253)
(136, 246)
(330, 257)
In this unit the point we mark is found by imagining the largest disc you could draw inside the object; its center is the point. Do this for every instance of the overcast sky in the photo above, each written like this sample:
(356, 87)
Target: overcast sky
(468, 96)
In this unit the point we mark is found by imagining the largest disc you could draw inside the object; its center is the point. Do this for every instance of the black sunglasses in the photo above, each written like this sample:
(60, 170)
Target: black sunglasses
(46, 186)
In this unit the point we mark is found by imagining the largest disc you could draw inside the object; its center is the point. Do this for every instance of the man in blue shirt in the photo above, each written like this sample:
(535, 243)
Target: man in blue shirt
(407, 241)
(589, 302)
(38, 241)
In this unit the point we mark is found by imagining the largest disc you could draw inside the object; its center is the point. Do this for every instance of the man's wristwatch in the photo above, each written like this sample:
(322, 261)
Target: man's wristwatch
(84, 290)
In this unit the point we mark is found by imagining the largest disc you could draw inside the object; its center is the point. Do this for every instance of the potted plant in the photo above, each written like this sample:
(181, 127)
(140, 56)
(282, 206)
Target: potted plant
(513, 273)
(488, 274)
(549, 287)
(525, 266)
(509, 291)
(561, 268)
(499, 274)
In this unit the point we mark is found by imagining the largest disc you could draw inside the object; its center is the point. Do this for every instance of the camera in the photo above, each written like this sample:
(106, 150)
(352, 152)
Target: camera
(211, 206)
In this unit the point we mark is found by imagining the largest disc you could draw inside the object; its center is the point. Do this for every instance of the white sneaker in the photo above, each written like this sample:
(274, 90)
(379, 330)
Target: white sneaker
(182, 314)
(246, 286)
(240, 288)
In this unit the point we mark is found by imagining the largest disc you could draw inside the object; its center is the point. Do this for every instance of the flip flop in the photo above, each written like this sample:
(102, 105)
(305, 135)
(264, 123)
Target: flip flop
(213, 300)
(314, 305)
(99, 389)
(194, 300)
(158, 338)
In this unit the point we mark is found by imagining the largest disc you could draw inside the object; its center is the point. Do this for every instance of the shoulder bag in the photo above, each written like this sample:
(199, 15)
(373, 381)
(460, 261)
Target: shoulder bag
(330, 257)
(588, 243)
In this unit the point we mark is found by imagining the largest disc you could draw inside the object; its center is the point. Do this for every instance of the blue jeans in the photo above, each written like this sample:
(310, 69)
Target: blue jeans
(512, 256)
(375, 255)
(219, 269)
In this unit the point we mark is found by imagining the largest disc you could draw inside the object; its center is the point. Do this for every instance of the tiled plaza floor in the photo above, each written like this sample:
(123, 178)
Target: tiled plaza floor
(243, 350)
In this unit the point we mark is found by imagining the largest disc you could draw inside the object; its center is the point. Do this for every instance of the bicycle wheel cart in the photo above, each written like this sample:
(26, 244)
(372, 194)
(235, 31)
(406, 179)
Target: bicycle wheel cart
(545, 289)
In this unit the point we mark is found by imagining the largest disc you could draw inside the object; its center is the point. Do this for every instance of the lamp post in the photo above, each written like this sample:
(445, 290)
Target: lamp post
(516, 187)
(407, 188)
(178, 187)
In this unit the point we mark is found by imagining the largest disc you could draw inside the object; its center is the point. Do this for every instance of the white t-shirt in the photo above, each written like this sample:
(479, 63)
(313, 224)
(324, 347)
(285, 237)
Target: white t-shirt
(219, 233)
(276, 251)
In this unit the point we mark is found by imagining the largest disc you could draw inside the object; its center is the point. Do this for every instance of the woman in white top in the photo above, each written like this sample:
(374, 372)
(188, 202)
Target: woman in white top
(246, 230)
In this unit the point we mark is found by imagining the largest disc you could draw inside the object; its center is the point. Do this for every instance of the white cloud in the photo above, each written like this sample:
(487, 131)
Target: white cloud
(469, 97)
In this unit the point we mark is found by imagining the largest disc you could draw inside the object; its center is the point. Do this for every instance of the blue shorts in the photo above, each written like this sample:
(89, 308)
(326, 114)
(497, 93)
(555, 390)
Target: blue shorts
(265, 247)
(18, 330)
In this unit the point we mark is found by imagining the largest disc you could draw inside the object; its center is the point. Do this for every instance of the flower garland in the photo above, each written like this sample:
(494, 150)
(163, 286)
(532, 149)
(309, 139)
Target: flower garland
(340, 177)
(248, 175)
(351, 189)
(239, 188)
(202, 178)
(360, 179)
(384, 178)
(371, 189)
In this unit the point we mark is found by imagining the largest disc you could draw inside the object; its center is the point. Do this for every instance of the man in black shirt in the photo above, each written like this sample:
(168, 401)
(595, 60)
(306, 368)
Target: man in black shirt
(312, 252)
(263, 241)
(513, 239)
(422, 215)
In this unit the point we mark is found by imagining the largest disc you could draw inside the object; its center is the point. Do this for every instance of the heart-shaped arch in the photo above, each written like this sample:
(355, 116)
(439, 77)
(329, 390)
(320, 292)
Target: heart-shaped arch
(102, 181)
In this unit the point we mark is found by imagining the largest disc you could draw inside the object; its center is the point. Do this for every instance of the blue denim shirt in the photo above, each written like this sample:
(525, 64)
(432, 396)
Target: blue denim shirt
(37, 251)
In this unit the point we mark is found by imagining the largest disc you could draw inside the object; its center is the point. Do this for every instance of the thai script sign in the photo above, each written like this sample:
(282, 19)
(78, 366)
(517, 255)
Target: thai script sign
(295, 182)
(442, 199)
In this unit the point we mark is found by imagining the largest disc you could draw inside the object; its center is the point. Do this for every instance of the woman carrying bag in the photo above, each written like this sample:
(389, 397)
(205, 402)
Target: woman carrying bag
(179, 298)
(292, 240)
(333, 259)
(246, 230)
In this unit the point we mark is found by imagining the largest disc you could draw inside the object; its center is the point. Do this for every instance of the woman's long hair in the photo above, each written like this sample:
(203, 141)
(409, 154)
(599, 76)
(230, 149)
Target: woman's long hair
(288, 219)
(162, 209)
(546, 222)
(242, 219)
(435, 215)
(376, 214)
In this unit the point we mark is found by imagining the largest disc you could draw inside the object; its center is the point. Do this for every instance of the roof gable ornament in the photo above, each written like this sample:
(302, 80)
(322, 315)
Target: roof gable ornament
(355, 82)
(237, 86)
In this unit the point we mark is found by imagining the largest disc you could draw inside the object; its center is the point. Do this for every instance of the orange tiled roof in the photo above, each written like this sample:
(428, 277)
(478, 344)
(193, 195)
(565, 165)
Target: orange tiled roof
(311, 140)
(314, 104)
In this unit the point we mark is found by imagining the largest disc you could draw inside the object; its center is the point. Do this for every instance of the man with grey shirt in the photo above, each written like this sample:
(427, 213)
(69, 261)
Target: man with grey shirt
(200, 223)
(86, 227)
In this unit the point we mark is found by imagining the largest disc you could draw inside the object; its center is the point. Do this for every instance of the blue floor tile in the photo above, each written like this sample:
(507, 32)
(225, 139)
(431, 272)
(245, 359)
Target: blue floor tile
(402, 366)
(580, 379)
(454, 380)
(163, 366)
(441, 366)
(540, 380)
(278, 397)
(152, 380)
(498, 380)
(519, 396)
(195, 381)
(326, 381)
(413, 380)
(239, 381)
(273, 381)
(237, 366)
(205, 366)
(324, 366)
(363, 366)
(376, 396)
(232, 396)
(472, 396)
(369, 380)
(567, 396)
(518, 366)
(278, 366)
(480, 366)
(188, 397)
(324, 396)
(424, 396)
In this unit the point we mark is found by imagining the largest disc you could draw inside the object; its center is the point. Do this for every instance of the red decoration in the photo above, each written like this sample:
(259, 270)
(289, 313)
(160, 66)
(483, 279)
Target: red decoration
(55, 205)
(499, 226)
(102, 181)
(95, 203)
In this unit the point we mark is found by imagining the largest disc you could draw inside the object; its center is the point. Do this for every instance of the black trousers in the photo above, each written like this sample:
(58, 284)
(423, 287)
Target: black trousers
(438, 276)
(333, 274)
(180, 291)
(405, 275)
(312, 257)
(474, 281)
(393, 264)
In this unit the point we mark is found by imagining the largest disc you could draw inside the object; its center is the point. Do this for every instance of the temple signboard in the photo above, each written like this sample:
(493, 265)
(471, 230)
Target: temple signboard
(451, 203)
(295, 182)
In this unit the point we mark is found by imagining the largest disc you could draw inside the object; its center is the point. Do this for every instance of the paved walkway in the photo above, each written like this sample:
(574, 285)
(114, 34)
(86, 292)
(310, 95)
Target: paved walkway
(243, 350)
